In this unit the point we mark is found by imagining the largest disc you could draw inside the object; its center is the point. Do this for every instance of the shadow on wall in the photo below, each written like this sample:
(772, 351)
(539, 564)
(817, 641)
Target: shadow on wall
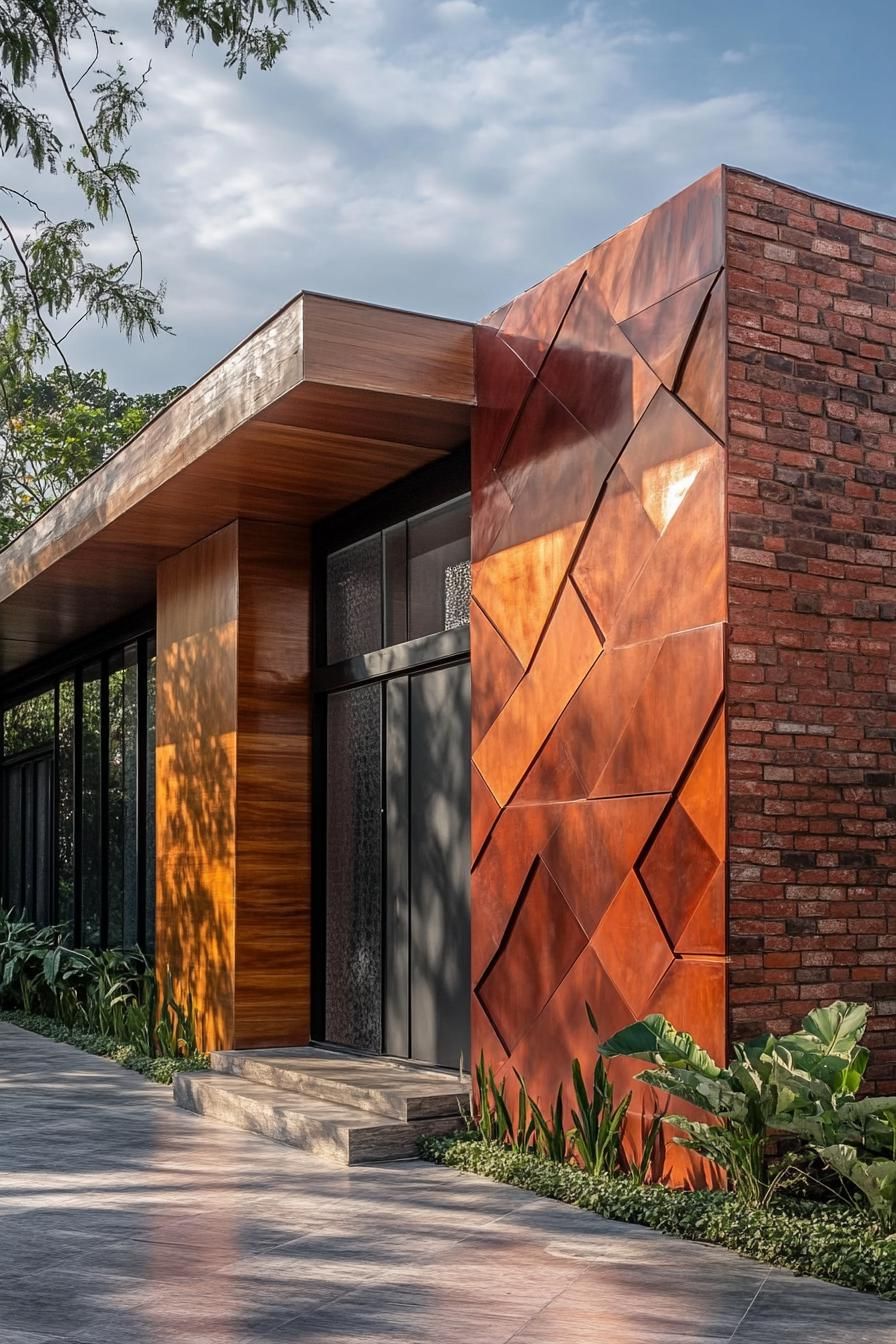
(196, 825)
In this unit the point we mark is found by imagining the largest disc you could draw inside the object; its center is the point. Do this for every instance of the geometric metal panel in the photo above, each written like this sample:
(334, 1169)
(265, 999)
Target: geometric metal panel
(599, 569)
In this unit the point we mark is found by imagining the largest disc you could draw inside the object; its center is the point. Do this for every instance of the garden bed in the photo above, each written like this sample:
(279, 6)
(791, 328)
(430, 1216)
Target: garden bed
(156, 1068)
(826, 1240)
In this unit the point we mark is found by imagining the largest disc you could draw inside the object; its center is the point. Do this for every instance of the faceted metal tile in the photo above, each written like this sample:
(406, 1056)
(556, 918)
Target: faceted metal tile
(491, 506)
(677, 870)
(661, 332)
(704, 932)
(542, 942)
(562, 1033)
(520, 833)
(597, 715)
(702, 383)
(598, 374)
(703, 793)
(502, 384)
(517, 587)
(674, 245)
(664, 456)
(534, 318)
(566, 654)
(552, 776)
(618, 542)
(631, 945)
(495, 673)
(594, 847)
(673, 709)
(484, 812)
(550, 456)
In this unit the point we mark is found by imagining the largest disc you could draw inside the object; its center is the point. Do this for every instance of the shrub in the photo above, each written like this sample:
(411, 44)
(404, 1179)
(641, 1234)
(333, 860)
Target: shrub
(158, 1069)
(109, 992)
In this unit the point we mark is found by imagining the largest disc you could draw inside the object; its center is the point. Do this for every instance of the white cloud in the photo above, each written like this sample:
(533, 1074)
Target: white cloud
(399, 158)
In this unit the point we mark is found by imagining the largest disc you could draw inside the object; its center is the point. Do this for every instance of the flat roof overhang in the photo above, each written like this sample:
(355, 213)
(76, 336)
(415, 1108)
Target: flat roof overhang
(326, 402)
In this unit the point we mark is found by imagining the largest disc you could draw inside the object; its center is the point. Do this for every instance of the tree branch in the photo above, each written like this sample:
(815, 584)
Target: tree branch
(35, 299)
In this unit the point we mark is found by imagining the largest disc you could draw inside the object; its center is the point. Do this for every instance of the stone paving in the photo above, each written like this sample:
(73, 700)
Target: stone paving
(124, 1220)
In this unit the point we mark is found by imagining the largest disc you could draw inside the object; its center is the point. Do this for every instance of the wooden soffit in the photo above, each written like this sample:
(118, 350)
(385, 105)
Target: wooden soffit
(327, 402)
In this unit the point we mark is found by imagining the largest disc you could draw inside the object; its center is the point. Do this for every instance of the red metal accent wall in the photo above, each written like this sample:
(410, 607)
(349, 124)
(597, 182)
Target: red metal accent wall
(812, 509)
(599, 585)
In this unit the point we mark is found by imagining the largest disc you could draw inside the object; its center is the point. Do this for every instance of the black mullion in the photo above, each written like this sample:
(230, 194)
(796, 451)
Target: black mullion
(104, 802)
(77, 807)
(54, 819)
(142, 782)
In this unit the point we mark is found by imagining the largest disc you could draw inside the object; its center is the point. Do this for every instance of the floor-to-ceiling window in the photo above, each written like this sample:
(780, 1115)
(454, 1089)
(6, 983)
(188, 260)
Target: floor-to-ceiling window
(77, 796)
(393, 766)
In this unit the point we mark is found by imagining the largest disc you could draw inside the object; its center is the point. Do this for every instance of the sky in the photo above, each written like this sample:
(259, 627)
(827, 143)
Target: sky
(442, 155)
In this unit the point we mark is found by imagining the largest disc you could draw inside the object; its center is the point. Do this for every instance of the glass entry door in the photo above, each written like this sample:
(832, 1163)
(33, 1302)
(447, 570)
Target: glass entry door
(393, 721)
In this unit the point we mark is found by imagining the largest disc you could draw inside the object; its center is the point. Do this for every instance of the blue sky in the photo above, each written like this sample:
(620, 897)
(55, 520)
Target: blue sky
(444, 154)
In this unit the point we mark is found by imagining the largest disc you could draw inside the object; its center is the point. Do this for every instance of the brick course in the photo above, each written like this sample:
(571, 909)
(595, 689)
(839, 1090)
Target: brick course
(812, 602)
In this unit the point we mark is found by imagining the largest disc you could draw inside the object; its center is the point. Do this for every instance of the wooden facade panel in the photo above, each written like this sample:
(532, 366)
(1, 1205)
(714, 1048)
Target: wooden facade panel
(255, 438)
(233, 782)
(630, 513)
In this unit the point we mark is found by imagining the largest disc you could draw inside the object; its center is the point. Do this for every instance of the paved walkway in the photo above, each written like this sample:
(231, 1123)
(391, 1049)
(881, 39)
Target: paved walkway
(123, 1219)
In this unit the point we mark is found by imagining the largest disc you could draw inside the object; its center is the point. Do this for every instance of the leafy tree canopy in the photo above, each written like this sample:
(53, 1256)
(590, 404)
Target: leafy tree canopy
(61, 426)
(77, 124)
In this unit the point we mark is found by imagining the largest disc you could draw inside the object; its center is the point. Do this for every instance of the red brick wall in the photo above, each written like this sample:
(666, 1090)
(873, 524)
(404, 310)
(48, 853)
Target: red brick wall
(812, 536)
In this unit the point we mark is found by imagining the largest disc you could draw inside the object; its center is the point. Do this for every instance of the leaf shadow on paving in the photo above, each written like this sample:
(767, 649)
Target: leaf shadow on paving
(125, 1219)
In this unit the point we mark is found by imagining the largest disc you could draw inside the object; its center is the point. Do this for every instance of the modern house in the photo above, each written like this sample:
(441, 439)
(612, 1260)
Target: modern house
(254, 719)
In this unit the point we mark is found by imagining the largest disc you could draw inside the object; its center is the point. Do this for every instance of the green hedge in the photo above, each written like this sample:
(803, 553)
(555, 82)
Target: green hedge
(828, 1241)
(156, 1068)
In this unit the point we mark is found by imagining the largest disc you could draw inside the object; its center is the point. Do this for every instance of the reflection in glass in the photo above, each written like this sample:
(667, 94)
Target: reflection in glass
(65, 803)
(29, 724)
(91, 807)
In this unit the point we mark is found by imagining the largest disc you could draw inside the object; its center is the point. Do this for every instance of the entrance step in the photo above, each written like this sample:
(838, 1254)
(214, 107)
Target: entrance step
(341, 1108)
(364, 1083)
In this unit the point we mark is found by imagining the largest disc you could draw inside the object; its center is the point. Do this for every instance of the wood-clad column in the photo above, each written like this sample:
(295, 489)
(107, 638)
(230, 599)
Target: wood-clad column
(233, 723)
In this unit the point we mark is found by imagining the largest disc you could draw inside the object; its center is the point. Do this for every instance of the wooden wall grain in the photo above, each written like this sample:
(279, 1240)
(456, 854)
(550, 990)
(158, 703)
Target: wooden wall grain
(232, 765)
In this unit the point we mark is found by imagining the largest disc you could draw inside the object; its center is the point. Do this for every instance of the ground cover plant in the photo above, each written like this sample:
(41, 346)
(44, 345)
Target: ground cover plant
(826, 1206)
(104, 1000)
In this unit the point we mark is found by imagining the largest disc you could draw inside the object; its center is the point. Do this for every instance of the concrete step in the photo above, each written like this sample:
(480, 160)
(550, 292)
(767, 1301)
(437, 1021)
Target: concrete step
(387, 1089)
(336, 1133)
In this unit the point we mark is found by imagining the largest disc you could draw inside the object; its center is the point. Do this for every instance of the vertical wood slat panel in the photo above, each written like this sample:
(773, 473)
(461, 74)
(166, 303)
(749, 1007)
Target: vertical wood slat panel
(233, 799)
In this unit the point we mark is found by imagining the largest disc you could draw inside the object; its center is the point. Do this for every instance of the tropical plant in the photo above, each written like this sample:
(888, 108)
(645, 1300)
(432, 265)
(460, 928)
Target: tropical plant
(551, 1138)
(597, 1122)
(772, 1084)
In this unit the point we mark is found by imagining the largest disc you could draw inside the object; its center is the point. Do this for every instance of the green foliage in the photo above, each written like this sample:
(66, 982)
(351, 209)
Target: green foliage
(49, 282)
(155, 1067)
(551, 1138)
(108, 993)
(804, 1084)
(830, 1241)
(772, 1084)
(60, 427)
(597, 1123)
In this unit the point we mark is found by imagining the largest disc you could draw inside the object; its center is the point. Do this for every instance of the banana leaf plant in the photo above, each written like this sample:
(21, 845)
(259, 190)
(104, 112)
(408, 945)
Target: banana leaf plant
(772, 1084)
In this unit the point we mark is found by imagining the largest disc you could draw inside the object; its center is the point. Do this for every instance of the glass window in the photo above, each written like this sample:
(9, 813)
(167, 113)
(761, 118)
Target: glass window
(65, 804)
(30, 724)
(90, 839)
(439, 569)
(355, 599)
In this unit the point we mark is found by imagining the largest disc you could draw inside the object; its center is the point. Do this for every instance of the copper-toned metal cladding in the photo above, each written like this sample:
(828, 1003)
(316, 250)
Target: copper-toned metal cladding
(703, 393)
(677, 869)
(661, 333)
(496, 673)
(595, 847)
(534, 319)
(615, 537)
(485, 810)
(546, 938)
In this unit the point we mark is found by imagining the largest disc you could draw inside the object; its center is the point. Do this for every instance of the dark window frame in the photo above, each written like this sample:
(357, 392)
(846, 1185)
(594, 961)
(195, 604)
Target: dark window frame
(47, 674)
(422, 490)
